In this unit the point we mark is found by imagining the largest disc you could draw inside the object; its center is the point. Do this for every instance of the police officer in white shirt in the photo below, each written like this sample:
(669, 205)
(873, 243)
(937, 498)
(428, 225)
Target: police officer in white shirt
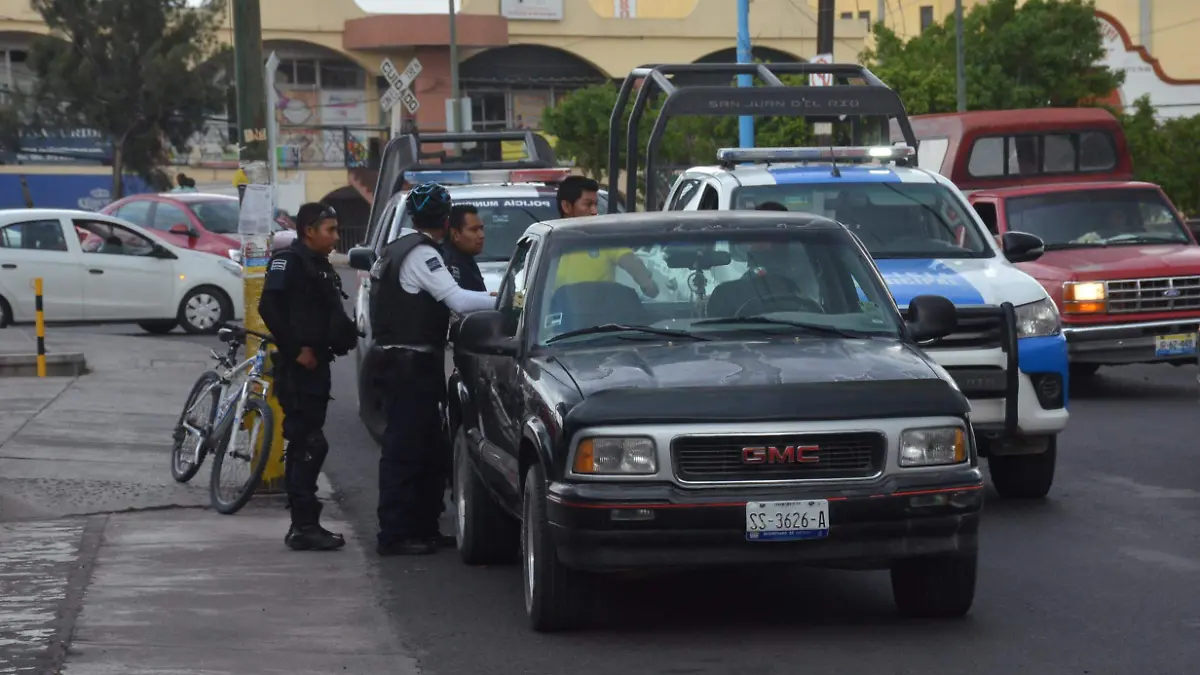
(412, 296)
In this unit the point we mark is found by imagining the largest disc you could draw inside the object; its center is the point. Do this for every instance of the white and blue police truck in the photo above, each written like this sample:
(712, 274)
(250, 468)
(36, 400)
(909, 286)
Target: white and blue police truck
(1008, 355)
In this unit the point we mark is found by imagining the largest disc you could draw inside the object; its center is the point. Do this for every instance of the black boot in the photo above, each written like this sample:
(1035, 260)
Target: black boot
(313, 538)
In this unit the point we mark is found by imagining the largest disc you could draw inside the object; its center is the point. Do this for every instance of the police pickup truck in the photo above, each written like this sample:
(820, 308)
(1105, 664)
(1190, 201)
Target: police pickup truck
(597, 430)
(1008, 353)
(509, 195)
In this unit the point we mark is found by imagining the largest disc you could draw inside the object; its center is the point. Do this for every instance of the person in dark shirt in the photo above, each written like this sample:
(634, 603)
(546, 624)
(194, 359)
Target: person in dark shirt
(301, 305)
(465, 241)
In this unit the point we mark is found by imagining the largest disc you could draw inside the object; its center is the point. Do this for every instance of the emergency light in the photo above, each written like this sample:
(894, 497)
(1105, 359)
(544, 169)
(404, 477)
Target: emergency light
(486, 176)
(883, 152)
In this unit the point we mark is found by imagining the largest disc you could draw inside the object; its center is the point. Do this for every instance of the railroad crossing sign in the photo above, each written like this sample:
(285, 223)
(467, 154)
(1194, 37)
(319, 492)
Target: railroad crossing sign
(821, 79)
(399, 91)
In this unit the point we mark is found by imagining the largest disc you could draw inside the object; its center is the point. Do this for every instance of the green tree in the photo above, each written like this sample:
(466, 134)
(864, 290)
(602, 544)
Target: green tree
(143, 72)
(1165, 152)
(1042, 53)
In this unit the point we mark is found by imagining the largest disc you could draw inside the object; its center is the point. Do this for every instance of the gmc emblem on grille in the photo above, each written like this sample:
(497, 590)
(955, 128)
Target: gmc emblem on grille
(791, 454)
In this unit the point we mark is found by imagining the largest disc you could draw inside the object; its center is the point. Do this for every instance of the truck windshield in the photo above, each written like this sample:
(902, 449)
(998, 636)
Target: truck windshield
(807, 283)
(893, 220)
(504, 220)
(1089, 218)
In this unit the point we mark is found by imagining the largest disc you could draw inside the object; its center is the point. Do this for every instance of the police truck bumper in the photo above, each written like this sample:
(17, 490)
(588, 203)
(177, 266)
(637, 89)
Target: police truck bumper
(630, 527)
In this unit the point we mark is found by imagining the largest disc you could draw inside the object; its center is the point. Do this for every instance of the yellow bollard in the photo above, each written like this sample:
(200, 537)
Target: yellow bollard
(254, 271)
(41, 327)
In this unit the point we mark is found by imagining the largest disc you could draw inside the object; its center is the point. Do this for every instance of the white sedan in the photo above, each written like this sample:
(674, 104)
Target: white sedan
(100, 269)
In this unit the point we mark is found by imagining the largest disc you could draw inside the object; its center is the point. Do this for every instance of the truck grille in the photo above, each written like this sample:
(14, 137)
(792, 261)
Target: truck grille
(1165, 294)
(978, 328)
(836, 455)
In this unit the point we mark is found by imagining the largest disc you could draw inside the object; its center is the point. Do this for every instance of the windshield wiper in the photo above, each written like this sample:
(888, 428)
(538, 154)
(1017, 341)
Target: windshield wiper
(812, 327)
(620, 327)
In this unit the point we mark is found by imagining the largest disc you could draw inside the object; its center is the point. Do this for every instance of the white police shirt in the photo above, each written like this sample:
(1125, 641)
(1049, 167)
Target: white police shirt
(424, 270)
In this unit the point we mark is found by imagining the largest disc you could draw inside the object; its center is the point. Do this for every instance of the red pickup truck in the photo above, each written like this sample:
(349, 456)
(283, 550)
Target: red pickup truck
(1120, 262)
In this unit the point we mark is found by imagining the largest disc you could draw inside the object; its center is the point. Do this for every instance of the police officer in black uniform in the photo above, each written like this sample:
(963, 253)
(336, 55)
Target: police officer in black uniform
(463, 242)
(302, 307)
(412, 295)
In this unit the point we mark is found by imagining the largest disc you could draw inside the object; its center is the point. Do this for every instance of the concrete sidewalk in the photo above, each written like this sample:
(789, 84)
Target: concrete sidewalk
(109, 566)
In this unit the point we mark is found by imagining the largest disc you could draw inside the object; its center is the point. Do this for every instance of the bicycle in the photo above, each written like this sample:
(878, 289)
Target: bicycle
(207, 423)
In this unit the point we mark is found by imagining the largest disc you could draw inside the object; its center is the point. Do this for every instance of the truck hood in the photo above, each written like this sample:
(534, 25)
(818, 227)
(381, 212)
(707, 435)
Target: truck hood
(741, 364)
(1117, 262)
(965, 282)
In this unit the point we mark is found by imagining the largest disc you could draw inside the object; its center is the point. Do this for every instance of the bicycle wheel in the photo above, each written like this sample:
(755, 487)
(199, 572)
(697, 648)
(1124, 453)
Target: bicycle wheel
(185, 459)
(247, 444)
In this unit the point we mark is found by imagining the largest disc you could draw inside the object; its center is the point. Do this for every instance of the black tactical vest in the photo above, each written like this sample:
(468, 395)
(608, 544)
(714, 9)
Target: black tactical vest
(397, 316)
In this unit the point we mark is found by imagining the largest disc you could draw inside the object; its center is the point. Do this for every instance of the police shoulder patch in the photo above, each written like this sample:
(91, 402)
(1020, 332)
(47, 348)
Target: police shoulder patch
(434, 263)
(279, 264)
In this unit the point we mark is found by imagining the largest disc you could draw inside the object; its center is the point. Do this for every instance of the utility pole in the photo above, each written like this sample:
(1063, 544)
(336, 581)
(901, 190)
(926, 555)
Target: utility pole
(251, 91)
(455, 112)
(823, 131)
(960, 56)
(744, 55)
(881, 11)
(254, 149)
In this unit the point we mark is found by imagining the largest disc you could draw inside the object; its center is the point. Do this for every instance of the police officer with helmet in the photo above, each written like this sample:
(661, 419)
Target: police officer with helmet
(301, 305)
(412, 296)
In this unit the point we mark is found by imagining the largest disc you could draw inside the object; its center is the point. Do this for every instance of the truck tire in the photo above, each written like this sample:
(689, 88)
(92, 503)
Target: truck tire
(941, 587)
(1024, 476)
(484, 534)
(556, 596)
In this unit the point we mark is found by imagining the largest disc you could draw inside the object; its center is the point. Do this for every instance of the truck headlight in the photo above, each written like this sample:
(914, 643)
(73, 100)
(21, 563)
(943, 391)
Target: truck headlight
(933, 446)
(1038, 319)
(1084, 297)
(615, 456)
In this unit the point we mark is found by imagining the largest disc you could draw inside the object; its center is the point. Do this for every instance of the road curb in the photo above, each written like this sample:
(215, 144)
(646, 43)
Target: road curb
(61, 364)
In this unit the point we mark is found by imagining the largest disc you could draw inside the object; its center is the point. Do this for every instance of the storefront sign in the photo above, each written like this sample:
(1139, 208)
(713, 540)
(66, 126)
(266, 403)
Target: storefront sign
(532, 10)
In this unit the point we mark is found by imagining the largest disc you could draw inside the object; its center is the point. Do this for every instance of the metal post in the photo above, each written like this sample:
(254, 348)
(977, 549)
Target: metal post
(452, 123)
(40, 318)
(881, 11)
(254, 151)
(960, 56)
(744, 55)
(272, 123)
(823, 131)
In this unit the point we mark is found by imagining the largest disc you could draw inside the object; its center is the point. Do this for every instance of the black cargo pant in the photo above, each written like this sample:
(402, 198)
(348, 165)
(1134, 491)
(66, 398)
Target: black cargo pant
(415, 458)
(304, 396)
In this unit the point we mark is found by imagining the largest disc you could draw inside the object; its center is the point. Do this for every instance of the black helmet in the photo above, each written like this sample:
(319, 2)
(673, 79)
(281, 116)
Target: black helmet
(428, 201)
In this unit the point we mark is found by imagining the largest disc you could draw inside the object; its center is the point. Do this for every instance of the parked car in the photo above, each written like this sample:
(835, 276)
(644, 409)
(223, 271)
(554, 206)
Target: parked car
(100, 269)
(196, 221)
(1120, 264)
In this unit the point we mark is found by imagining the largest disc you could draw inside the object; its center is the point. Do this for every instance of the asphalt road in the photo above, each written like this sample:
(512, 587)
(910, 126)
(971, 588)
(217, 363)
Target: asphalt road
(1103, 578)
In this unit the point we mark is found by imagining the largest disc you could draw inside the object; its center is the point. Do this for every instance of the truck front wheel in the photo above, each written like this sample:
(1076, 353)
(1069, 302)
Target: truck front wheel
(1024, 476)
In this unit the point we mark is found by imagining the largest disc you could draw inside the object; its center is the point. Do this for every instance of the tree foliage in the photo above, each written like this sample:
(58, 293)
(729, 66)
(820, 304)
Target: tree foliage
(1165, 152)
(144, 72)
(1042, 53)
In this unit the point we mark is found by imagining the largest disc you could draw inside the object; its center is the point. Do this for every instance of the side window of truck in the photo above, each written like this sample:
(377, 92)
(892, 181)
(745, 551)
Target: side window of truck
(511, 300)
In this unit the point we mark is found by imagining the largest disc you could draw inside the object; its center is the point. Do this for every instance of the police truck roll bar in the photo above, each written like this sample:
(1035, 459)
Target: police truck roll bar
(856, 92)
(403, 155)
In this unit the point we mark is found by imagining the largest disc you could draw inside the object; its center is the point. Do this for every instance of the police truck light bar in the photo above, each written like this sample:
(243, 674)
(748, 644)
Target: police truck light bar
(487, 176)
(885, 152)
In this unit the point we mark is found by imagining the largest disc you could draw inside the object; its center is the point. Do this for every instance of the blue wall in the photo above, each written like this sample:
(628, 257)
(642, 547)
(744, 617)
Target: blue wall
(65, 191)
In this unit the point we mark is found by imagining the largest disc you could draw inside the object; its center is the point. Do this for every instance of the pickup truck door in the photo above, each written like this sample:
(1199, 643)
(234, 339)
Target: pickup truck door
(499, 392)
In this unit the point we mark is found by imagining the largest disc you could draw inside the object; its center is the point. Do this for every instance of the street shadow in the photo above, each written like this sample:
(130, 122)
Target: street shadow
(1163, 382)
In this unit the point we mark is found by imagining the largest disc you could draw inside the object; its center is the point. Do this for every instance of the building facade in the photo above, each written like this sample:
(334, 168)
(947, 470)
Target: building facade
(1148, 39)
(516, 58)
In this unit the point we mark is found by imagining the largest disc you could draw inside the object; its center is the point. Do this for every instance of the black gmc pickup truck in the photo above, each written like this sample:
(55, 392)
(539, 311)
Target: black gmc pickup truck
(768, 405)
